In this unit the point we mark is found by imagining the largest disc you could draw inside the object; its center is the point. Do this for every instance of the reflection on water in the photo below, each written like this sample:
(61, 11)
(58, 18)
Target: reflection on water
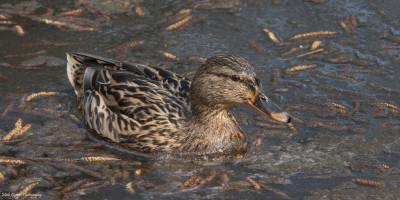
(334, 67)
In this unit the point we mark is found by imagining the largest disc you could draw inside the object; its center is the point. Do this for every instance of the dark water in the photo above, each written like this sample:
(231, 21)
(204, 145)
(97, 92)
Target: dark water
(346, 109)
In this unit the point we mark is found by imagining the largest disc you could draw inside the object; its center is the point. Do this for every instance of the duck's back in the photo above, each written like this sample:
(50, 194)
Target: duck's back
(132, 103)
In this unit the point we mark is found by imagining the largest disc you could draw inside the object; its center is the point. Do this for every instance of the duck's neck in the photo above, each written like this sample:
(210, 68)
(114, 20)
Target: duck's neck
(213, 131)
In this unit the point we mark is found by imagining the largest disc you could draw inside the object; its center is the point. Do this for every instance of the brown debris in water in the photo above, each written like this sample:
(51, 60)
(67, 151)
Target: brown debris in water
(196, 182)
(34, 95)
(309, 53)
(4, 77)
(25, 190)
(367, 182)
(198, 19)
(126, 47)
(178, 24)
(9, 160)
(349, 24)
(193, 59)
(272, 36)
(255, 46)
(19, 30)
(70, 12)
(26, 54)
(18, 130)
(56, 44)
(312, 35)
(337, 76)
(299, 68)
(293, 129)
(253, 183)
(294, 49)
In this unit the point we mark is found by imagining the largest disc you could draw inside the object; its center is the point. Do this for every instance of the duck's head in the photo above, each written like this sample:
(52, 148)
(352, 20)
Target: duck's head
(225, 80)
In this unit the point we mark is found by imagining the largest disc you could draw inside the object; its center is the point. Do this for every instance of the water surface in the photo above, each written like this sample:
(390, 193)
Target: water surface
(346, 109)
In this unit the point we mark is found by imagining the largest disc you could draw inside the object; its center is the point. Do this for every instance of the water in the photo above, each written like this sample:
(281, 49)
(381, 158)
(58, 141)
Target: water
(347, 127)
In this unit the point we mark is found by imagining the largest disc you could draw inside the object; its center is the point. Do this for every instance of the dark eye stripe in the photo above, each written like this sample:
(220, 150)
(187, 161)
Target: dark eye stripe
(248, 83)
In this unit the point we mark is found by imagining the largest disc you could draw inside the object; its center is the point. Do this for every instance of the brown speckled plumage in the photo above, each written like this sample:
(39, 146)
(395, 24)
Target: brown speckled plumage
(153, 110)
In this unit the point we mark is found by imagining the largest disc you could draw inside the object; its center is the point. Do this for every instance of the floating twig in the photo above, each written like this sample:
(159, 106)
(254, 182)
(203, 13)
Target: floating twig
(72, 186)
(367, 182)
(300, 67)
(312, 34)
(8, 108)
(338, 76)
(253, 183)
(195, 182)
(11, 141)
(283, 195)
(168, 55)
(201, 59)
(139, 11)
(101, 185)
(65, 24)
(388, 105)
(25, 190)
(294, 49)
(6, 22)
(309, 53)
(294, 131)
(88, 172)
(4, 77)
(26, 54)
(357, 105)
(129, 188)
(70, 12)
(74, 117)
(19, 92)
(391, 49)
(198, 19)
(390, 127)
(302, 108)
(349, 24)
(265, 125)
(272, 36)
(19, 29)
(126, 47)
(326, 124)
(15, 67)
(56, 44)
(10, 160)
(178, 24)
(224, 178)
(30, 97)
(17, 133)
(258, 141)
(18, 130)
(254, 45)
(207, 179)
(98, 159)
(315, 45)
(338, 91)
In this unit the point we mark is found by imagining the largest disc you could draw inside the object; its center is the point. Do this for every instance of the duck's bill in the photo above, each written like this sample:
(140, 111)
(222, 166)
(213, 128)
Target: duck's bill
(269, 108)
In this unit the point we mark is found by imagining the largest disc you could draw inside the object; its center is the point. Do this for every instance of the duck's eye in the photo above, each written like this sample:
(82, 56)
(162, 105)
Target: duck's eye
(235, 78)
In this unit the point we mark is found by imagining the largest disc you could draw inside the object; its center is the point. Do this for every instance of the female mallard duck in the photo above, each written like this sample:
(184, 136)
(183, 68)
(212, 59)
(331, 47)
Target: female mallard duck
(153, 110)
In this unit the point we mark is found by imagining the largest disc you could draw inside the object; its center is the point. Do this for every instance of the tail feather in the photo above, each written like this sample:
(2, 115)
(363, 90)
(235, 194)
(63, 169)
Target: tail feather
(75, 72)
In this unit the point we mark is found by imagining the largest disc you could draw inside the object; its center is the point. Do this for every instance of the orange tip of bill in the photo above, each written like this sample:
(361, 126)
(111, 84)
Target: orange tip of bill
(282, 117)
